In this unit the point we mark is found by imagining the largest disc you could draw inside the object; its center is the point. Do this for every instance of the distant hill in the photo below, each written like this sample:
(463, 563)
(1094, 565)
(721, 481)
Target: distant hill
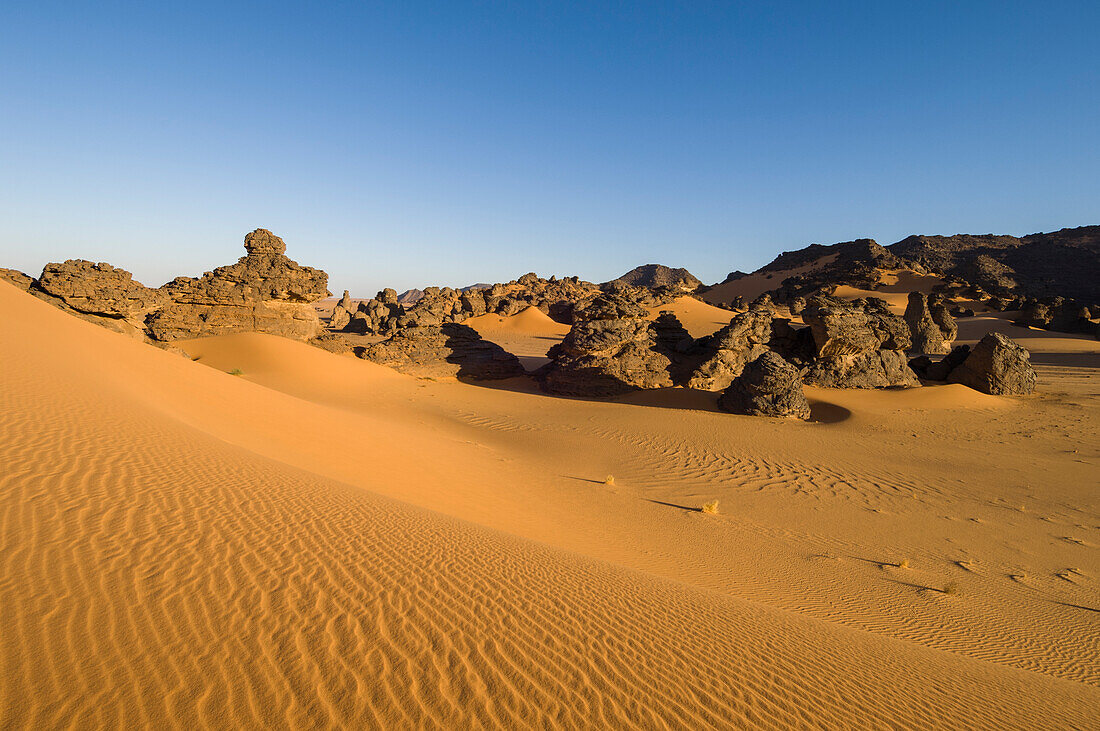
(658, 275)
(410, 296)
(1061, 263)
(1065, 263)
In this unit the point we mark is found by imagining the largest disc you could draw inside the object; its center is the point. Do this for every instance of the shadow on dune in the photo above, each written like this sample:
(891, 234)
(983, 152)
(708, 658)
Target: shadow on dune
(676, 398)
(688, 508)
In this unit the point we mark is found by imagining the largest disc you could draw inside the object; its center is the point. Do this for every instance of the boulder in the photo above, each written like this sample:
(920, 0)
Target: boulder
(859, 344)
(725, 353)
(996, 365)
(436, 351)
(341, 314)
(611, 349)
(767, 386)
(925, 333)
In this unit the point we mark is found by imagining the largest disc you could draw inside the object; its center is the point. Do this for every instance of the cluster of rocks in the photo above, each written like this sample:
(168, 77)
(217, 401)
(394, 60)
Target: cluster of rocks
(760, 361)
(996, 365)
(264, 291)
(384, 314)
(856, 344)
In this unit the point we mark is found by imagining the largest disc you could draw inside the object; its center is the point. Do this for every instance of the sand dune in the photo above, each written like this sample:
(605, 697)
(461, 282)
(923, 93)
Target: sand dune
(320, 541)
(527, 335)
(697, 317)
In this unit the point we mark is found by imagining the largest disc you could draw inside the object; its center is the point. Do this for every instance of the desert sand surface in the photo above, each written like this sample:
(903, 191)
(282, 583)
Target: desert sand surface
(527, 335)
(697, 317)
(320, 541)
(752, 286)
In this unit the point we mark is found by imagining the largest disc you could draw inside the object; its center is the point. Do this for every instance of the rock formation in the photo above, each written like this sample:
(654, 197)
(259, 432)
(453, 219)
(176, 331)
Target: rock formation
(768, 386)
(99, 289)
(941, 315)
(386, 313)
(725, 353)
(926, 335)
(341, 313)
(611, 349)
(859, 344)
(263, 292)
(435, 351)
(996, 365)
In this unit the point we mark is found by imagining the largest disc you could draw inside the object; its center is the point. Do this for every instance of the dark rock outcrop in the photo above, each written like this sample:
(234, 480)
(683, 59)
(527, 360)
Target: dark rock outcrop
(996, 365)
(941, 315)
(859, 344)
(435, 351)
(724, 354)
(1045, 264)
(611, 349)
(925, 333)
(768, 386)
(658, 275)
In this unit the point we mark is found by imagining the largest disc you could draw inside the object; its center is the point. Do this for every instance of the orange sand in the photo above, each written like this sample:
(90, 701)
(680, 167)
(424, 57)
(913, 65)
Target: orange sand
(324, 542)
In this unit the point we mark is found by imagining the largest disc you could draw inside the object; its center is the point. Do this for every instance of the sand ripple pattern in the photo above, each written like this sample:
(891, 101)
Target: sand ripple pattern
(152, 576)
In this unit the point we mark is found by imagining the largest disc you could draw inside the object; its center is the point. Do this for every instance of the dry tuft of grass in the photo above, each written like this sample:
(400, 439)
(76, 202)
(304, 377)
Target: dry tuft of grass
(952, 588)
(711, 508)
(609, 480)
(236, 372)
(903, 564)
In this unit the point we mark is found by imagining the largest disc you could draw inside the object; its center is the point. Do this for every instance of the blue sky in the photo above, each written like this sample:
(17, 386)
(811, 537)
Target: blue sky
(405, 143)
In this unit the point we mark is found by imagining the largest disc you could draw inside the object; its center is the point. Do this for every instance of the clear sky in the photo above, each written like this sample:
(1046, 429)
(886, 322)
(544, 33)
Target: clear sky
(410, 143)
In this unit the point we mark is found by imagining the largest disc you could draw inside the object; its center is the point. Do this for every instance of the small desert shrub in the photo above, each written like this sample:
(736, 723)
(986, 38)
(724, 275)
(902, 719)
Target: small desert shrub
(903, 564)
(952, 588)
(609, 480)
(236, 372)
(711, 508)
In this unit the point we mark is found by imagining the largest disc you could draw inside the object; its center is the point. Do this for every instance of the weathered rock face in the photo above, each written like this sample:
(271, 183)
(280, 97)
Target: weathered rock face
(611, 349)
(941, 315)
(341, 313)
(860, 344)
(768, 386)
(16, 278)
(262, 241)
(996, 365)
(925, 333)
(99, 289)
(436, 351)
(263, 292)
(726, 352)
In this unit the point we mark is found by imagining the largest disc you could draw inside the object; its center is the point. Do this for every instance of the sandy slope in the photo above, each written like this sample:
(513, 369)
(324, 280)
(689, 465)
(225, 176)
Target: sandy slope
(527, 335)
(697, 317)
(181, 546)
